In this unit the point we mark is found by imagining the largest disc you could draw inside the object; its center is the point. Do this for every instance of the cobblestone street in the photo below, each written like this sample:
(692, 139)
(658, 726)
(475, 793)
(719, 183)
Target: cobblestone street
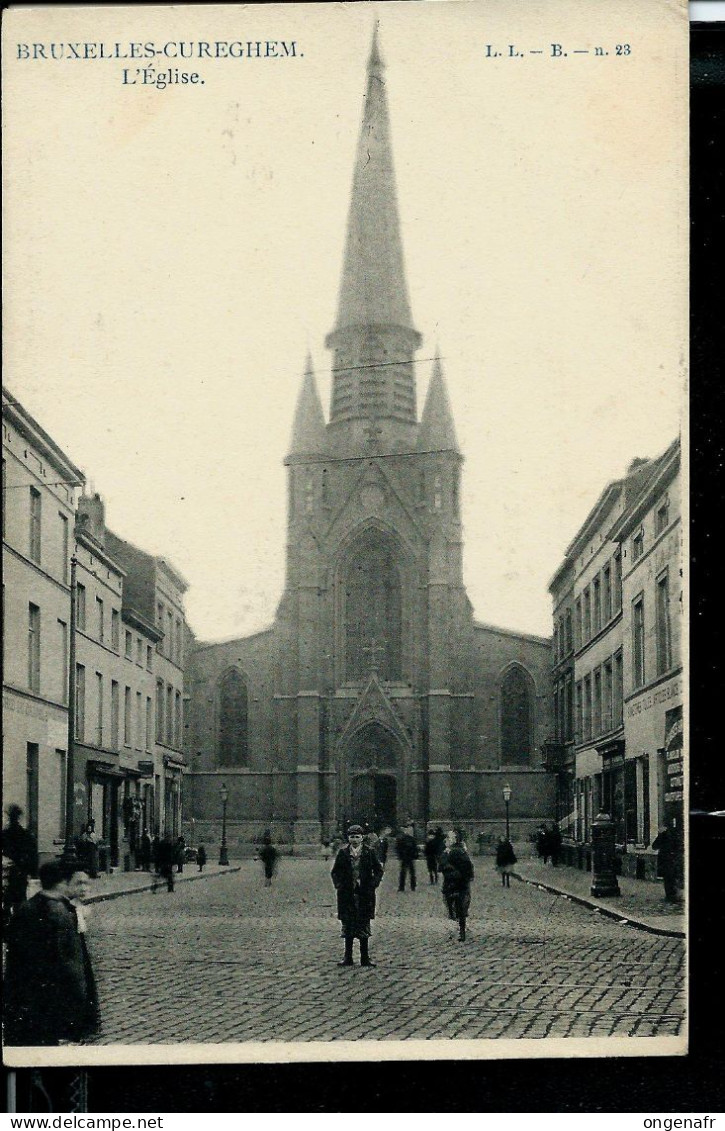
(227, 959)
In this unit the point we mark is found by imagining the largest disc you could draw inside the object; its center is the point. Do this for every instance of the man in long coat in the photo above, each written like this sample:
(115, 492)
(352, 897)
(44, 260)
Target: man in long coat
(356, 874)
(50, 992)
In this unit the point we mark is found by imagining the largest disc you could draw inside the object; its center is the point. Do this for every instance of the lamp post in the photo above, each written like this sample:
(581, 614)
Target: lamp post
(507, 802)
(223, 854)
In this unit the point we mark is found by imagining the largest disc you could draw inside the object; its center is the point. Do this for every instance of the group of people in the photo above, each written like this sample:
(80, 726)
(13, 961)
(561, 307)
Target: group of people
(359, 867)
(548, 843)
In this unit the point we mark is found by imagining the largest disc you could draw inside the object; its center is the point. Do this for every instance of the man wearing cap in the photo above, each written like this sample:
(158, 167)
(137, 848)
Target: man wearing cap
(356, 874)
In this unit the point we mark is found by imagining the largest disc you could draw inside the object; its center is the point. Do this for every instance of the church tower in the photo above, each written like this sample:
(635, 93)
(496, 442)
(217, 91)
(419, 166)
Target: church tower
(374, 696)
(376, 631)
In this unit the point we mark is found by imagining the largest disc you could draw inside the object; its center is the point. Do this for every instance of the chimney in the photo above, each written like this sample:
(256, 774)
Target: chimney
(91, 517)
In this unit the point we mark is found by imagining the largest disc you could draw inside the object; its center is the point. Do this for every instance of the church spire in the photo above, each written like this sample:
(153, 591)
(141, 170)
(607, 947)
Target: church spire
(374, 338)
(437, 430)
(308, 429)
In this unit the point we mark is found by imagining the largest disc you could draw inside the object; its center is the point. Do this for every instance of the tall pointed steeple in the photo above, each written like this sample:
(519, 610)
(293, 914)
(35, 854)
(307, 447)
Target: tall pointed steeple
(437, 430)
(374, 338)
(308, 428)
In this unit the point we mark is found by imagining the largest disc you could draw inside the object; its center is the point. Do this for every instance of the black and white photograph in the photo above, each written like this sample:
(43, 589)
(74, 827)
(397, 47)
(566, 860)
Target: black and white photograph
(344, 501)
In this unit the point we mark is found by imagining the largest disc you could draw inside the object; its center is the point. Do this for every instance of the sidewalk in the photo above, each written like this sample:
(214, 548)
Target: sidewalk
(111, 885)
(641, 904)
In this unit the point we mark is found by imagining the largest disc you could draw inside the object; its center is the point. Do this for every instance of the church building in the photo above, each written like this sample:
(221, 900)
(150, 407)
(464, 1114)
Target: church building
(375, 695)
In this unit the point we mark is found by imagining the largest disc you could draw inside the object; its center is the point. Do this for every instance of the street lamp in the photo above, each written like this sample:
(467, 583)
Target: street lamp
(223, 854)
(507, 802)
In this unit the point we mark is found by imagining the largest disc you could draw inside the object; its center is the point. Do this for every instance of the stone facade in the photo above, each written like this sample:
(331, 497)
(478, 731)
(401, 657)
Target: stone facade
(375, 695)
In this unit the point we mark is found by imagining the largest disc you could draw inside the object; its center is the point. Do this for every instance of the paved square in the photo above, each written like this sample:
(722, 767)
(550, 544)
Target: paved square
(226, 959)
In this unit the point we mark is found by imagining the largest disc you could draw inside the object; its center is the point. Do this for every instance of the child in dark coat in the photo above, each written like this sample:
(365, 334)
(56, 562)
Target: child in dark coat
(201, 857)
(505, 860)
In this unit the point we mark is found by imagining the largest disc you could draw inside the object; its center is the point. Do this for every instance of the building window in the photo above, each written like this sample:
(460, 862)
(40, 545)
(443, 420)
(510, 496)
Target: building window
(149, 723)
(115, 629)
(607, 692)
(372, 611)
(579, 624)
(179, 644)
(556, 713)
(80, 702)
(34, 542)
(587, 614)
(99, 709)
(129, 646)
(587, 722)
(638, 673)
(617, 583)
(579, 724)
(569, 635)
(596, 605)
(597, 704)
(233, 719)
(139, 652)
(177, 720)
(149, 657)
(662, 516)
(99, 618)
(607, 594)
(127, 716)
(32, 786)
(139, 721)
(61, 764)
(169, 634)
(63, 654)
(438, 492)
(325, 493)
(637, 545)
(618, 693)
(517, 717)
(169, 715)
(81, 607)
(664, 647)
(115, 711)
(34, 648)
(159, 710)
(63, 547)
(569, 719)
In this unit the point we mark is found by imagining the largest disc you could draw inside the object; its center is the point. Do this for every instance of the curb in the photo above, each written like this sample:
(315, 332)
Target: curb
(104, 897)
(629, 921)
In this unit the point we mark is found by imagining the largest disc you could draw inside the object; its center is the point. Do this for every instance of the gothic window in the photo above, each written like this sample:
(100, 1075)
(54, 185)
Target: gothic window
(309, 495)
(233, 720)
(438, 492)
(517, 716)
(372, 612)
(325, 488)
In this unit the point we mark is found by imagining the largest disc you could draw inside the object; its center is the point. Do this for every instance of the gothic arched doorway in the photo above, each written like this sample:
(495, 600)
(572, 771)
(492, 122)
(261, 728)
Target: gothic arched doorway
(373, 764)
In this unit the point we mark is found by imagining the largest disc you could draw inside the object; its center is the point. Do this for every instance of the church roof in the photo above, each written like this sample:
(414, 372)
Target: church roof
(437, 430)
(373, 290)
(308, 428)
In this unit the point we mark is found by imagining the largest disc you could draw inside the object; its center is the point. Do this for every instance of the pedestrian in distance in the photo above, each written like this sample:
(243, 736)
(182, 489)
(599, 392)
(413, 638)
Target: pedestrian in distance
(325, 850)
(430, 851)
(457, 875)
(505, 860)
(179, 853)
(20, 848)
(50, 991)
(88, 850)
(356, 874)
(668, 848)
(554, 844)
(167, 859)
(201, 857)
(383, 846)
(407, 853)
(440, 842)
(145, 852)
(372, 840)
(269, 856)
(543, 849)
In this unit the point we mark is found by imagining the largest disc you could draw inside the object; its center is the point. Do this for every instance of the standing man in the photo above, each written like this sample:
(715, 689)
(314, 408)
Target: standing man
(356, 875)
(668, 848)
(20, 848)
(457, 875)
(50, 994)
(407, 851)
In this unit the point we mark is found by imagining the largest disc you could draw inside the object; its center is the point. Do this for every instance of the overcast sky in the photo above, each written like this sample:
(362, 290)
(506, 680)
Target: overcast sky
(174, 253)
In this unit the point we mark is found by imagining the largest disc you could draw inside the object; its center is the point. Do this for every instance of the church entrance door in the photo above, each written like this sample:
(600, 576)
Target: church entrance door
(373, 800)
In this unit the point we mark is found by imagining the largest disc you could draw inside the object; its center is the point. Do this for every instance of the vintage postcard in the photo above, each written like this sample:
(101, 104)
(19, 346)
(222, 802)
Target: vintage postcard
(344, 512)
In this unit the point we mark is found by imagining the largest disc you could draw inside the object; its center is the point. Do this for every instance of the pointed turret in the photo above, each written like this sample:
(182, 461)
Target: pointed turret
(374, 338)
(437, 430)
(308, 429)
